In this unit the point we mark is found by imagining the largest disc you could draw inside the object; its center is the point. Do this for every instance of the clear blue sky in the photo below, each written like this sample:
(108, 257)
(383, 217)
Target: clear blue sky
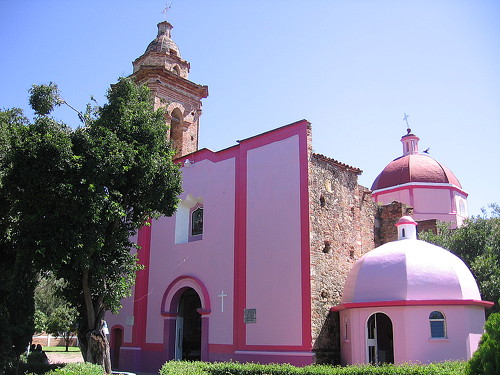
(350, 67)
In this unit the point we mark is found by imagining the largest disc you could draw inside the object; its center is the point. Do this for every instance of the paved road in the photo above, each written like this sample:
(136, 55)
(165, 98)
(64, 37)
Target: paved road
(62, 357)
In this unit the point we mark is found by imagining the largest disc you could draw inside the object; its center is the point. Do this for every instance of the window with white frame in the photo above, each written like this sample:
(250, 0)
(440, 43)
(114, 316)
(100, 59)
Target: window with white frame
(438, 325)
(189, 220)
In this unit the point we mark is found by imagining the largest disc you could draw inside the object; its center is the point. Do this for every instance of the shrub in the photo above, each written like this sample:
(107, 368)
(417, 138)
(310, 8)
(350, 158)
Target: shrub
(78, 369)
(233, 368)
(486, 360)
(182, 367)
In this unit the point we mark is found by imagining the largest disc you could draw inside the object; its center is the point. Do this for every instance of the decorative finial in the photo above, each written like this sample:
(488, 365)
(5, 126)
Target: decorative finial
(167, 9)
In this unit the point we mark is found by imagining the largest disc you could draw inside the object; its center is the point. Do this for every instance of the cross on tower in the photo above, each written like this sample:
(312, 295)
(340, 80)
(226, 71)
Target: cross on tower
(221, 296)
(166, 9)
(405, 118)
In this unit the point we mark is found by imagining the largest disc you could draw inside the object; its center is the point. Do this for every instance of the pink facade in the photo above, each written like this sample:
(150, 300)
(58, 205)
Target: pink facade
(410, 301)
(418, 180)
(411, 332)
(248, 273)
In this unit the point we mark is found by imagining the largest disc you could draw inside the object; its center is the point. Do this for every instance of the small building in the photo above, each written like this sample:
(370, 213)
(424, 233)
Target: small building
(410, 301)
(420, 181)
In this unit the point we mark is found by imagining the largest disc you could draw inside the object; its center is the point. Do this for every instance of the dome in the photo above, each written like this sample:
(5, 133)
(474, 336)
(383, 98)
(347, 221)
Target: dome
(409, 270)
(414, 168)
(163, 41)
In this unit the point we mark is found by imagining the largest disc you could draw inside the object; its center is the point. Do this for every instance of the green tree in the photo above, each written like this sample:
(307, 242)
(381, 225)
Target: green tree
(486, 360)
(82, 195)
(17, 275)
(52, 312)
(477, 243)
(62, 322)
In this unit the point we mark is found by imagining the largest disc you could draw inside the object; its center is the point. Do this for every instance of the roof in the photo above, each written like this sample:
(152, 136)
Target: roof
(409, 270)
(337, 163)
(414, 168)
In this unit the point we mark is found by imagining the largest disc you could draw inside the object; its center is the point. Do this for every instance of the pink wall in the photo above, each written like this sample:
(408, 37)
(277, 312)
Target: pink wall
(211, 259)
(254, 248)
(411, 329)
(125, 317)
(430, 201)
(273, 244)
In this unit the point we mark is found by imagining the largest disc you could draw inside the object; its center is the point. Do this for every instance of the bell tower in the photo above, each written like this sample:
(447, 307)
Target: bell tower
(163, 70)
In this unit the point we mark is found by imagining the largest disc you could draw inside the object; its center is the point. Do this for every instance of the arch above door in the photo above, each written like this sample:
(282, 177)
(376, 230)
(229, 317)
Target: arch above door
(176, 288)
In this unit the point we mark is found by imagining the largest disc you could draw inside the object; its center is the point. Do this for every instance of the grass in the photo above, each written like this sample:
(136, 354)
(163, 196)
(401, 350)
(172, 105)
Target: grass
(71, 349)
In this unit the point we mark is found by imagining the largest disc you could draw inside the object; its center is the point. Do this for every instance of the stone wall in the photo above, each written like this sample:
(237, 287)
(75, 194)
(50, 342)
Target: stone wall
(386, 220)
(342, 214)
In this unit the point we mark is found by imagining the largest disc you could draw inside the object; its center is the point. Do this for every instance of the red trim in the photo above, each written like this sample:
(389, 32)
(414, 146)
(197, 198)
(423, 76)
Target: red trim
(172, 304)
(240, 252)
(152, 347)
(142, 286)
(409, 185)
(305, 238)
(221, 348)
(446, 302)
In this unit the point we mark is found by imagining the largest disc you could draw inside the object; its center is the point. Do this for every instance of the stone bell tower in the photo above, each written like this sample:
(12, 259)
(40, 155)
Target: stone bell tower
(163, 70)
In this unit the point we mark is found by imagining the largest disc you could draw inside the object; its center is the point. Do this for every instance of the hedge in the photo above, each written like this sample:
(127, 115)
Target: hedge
(233, 368)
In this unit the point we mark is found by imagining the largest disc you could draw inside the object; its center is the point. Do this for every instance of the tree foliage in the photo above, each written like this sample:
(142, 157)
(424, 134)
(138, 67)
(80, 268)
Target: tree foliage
(477, 243)
(17, 275)
(53, 314)
(81, 195)
(486, 360)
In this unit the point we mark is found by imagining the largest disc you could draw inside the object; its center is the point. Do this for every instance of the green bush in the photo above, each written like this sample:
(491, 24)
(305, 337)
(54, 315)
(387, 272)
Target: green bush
(233, 368)
(78, 369)
(31, 368)
(486, 360)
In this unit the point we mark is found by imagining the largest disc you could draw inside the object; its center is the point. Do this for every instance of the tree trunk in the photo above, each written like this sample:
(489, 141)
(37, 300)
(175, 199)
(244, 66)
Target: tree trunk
(93, 342)
(98, 350)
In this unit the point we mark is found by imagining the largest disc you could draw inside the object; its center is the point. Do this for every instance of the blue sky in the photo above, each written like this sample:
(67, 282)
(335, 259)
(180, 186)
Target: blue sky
(350, 67)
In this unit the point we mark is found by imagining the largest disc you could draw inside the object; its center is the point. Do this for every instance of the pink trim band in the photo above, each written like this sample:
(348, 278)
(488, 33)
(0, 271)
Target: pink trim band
(357, 305)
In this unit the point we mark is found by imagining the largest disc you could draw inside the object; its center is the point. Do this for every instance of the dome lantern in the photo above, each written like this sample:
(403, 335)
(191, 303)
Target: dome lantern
(407, 228)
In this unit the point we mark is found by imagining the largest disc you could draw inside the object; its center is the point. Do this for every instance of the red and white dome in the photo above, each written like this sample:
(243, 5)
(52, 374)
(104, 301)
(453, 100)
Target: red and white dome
(413, 167)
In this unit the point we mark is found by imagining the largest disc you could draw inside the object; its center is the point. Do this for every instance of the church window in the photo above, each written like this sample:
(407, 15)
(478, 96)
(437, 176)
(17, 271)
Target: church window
(176, 70)
(437, 323)
(189, 220)
(403, 233)
(197, 220)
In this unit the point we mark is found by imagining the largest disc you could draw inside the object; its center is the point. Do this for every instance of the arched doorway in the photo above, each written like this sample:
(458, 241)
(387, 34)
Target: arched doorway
(379, 339)
(117, 342)
(188, 327)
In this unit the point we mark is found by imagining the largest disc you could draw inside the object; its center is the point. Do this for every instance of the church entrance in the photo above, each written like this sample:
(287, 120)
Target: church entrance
(188, 327)
(379, 342)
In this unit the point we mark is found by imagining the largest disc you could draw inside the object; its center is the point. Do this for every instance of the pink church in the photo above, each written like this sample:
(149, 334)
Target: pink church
(258, 252)
(409, 300)
(423, 183)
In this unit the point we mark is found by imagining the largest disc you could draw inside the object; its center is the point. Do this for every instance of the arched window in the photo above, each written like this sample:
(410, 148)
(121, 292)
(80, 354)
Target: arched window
(189, 220)
(176, 70)
(438, 326)
(176, 132)
(196, 227)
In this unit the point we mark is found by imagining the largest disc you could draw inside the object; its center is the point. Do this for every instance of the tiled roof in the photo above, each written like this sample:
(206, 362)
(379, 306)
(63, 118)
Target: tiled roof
(337, 163)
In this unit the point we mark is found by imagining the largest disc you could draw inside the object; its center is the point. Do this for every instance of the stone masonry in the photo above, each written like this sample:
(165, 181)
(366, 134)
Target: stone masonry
(342, 214)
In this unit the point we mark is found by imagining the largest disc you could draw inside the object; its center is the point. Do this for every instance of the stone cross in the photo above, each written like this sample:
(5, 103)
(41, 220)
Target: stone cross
(221, 296)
